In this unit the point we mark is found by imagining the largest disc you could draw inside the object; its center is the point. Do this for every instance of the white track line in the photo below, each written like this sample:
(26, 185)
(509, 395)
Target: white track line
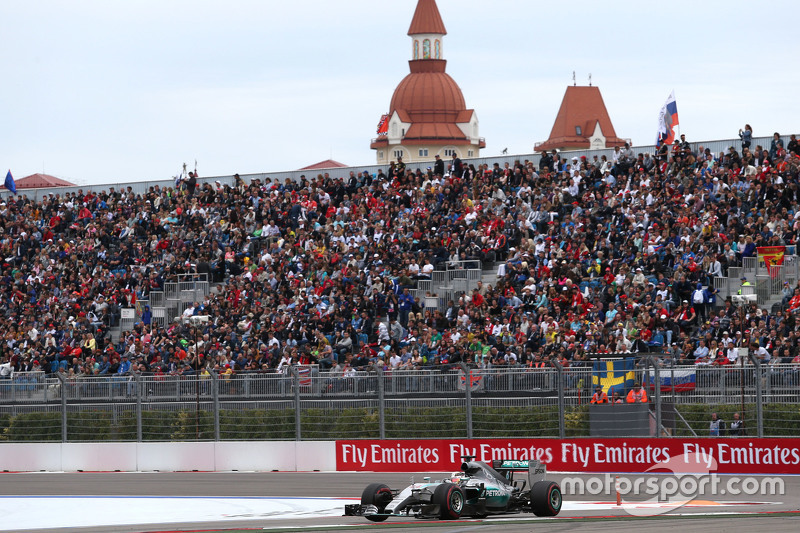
(25, 513)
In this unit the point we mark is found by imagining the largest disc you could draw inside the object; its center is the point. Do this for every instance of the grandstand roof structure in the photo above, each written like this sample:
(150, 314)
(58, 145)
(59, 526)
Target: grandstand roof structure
(328, 163)
(39, 181)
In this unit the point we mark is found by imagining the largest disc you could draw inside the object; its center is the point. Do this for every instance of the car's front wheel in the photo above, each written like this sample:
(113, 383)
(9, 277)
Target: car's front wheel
(380, 496)
(546, 498)
(450, 499)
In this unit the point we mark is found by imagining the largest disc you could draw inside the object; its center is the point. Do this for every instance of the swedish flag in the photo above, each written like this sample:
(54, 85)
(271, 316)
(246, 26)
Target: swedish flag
(614, 376)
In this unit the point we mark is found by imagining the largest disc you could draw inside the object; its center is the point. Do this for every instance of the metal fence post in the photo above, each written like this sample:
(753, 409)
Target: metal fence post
(672, 380)
(657, 391)
(215, 396)
(63, 406)
(759, 393)
(136, 379)
(467, 395)
(296, 386)
(562, 430)
(381, 404)
(768, 383)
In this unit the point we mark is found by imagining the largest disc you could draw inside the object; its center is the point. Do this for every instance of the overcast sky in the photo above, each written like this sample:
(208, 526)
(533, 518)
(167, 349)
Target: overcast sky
(98, 91)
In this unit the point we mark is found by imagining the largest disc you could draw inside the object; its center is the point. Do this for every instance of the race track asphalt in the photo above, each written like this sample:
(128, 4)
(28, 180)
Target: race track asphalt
(774, 513)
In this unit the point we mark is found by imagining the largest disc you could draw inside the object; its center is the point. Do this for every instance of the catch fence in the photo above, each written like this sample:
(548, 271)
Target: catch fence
(455, 401)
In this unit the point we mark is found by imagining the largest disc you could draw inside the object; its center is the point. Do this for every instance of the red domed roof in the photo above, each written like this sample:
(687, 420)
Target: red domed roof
(429, 94)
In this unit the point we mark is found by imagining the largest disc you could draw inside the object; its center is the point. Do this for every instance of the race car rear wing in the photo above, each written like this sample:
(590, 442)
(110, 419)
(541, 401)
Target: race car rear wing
(537, 470)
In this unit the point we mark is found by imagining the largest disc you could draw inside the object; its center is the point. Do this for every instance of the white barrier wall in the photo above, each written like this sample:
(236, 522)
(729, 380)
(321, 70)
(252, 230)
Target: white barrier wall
(168, 456)
(30, 457)
(101, 458)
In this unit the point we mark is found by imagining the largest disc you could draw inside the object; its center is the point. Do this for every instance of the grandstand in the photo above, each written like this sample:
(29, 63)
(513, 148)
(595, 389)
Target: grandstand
(512, 263)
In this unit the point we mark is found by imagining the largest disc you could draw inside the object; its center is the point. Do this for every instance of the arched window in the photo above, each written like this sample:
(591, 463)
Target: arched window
(437, 49)
(426, 49)
(416, 48)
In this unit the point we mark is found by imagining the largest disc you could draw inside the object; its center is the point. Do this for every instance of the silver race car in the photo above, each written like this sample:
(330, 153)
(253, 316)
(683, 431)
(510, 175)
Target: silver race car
(478, 490)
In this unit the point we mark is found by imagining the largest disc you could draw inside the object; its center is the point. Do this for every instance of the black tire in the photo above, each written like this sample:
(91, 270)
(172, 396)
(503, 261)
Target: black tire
(380, 496)
(451, 500)
(546, 498)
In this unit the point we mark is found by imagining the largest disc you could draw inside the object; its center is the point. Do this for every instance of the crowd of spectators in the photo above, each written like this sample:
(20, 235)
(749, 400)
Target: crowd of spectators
(596, 255)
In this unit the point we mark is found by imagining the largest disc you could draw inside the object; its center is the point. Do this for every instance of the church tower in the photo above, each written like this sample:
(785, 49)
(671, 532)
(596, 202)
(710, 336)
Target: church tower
(427, 114)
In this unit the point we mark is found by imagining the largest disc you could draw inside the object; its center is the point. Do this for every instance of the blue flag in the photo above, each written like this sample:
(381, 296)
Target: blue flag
(614, 376)
(10, 185)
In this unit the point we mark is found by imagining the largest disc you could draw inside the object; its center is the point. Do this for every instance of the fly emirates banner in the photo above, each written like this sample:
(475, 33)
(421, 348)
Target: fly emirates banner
(719, 455)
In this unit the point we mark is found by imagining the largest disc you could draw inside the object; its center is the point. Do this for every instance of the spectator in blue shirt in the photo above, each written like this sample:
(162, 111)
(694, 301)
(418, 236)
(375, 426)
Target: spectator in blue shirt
(404, 305)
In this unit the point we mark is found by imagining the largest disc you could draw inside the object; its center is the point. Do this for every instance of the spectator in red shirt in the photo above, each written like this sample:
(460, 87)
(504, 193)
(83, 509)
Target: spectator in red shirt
(477, 298)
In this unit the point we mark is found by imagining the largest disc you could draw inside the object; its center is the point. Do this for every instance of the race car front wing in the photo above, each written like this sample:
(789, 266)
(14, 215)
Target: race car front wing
(358, 509)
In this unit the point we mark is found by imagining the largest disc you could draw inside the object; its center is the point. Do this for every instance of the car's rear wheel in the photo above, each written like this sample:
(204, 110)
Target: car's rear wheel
(546, 498)
(450, 499)
(380, 496)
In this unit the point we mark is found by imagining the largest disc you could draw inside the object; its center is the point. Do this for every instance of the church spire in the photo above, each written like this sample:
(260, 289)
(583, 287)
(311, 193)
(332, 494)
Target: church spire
(426, 31)
(427, 19)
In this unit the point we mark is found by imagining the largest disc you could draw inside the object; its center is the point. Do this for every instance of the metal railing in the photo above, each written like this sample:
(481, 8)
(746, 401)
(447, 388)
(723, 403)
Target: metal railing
(466, 264)
(749, 266)
(767, 283)
(755, 266)
(460, 278)
(451, 401)
(726, 287)
(177, 295)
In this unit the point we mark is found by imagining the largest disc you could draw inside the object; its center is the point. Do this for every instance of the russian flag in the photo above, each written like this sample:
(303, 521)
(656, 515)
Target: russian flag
(667, 120)
(304, 376)
(677, 380)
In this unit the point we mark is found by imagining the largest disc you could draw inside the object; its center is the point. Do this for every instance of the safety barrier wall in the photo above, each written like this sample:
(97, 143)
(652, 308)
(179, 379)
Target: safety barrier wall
(633, 455)
(168, 456)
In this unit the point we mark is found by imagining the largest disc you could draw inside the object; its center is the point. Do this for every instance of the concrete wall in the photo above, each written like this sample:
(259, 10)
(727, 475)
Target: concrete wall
(168, 456)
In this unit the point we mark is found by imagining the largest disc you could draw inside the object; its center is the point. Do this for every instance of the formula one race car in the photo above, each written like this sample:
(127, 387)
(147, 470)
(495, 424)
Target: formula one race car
(478, 490)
